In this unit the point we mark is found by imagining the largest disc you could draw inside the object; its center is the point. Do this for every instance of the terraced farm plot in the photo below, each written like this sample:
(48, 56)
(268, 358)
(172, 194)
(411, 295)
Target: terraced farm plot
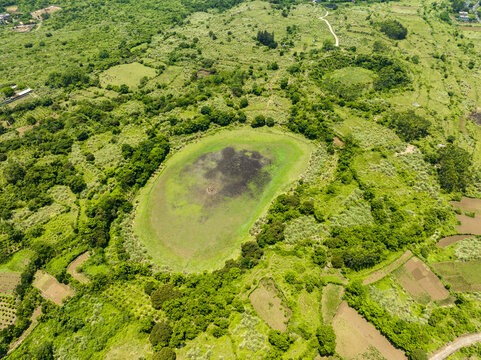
(461, 275)
(8, 282)
(270, 305)
(356, 338)
(51, 289)
(420, 282)
(75, 265)
(449, 240)
(8, 310)
(194, 215)
(469, 224)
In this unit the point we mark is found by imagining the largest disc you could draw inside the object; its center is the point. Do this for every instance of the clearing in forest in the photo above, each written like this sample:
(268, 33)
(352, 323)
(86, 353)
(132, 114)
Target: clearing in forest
(74, 265)
(126, 74)
(420, 282)
(270, 305)
(331, 299)
(357, 339)
(50, 288)
(197, 211)
(461, 275)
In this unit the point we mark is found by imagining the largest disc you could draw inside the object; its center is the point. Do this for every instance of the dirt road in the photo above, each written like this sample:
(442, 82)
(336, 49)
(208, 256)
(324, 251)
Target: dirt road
(330, 28)
(452, 347)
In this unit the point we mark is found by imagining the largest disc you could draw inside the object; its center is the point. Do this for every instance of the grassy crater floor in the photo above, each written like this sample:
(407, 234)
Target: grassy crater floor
(194, 215)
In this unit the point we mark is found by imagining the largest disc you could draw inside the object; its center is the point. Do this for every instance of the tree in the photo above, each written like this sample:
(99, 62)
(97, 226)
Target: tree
(162, 294)
(281, 341)
(266, 38)
(160, 334)
(410, 126)
(165, 354)
(319, 257)
(326, 339)
(418, 354)
(454, 168)
(8, 91)
(393, 29)
(258, 121)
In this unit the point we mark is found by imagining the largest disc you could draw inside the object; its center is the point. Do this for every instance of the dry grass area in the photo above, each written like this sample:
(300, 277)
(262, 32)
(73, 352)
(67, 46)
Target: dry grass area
(356, 337)
(50, 288)
(74, 265)
(449, 240)
(269, 303)
(8, 282)
(48, 10)
(23, 28)
(419, 281)
(378, 275)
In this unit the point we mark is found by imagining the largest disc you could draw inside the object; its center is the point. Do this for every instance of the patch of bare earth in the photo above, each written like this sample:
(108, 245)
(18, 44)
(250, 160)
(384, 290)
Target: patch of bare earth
(27, 332)
(419, 281)
(355, 336)
(74, 265)
(338, 142)
(410, 149)
(469, 225)
(449, 240)
(8, 282)
(378, 275)
(51, 289)
(48, 10)
(270, 305)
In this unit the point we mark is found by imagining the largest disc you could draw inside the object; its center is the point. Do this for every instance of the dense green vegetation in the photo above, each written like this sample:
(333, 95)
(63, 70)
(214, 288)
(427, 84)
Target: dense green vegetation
(391, 115)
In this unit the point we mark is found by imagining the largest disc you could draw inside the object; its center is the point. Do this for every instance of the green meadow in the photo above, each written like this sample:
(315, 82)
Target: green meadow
(185, 231)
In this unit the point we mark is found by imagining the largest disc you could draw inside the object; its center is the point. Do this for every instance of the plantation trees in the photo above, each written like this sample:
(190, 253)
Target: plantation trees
(454, 168)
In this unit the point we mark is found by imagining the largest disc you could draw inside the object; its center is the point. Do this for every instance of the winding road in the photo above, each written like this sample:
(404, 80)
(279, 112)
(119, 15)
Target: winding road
(452, 347)
(330, 28)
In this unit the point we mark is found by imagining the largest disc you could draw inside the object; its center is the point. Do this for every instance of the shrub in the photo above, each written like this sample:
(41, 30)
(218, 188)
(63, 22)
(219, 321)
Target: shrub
(160, 334)
(281, 341)
(418, 354)
(258, 121)
(165, 354)
(326, 339)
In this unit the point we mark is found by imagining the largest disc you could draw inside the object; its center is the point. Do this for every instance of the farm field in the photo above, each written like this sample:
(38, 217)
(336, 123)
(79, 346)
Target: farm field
(73, 268)
(419, 281)
(196, 212)
(461, 275)
(356, 338)
(8, 282)
(51, 289)
(270, 305)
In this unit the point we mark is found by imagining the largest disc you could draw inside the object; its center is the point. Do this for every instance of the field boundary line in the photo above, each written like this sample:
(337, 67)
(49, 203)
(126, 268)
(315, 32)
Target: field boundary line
(385, 271)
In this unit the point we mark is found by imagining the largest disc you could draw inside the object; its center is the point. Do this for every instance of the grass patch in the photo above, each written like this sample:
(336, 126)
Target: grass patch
(17, 262)
(462, 276)
(128, 74)
(331, 299)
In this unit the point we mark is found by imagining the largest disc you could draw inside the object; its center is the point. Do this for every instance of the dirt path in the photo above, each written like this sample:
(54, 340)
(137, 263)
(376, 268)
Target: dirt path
(330, 28)
(27, 332)
(452, 347)
(378, 275)
(74, 265)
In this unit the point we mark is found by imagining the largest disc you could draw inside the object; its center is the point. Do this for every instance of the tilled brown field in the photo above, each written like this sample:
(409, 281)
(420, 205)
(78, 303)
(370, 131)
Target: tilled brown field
(419, 281)
(355, 336)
